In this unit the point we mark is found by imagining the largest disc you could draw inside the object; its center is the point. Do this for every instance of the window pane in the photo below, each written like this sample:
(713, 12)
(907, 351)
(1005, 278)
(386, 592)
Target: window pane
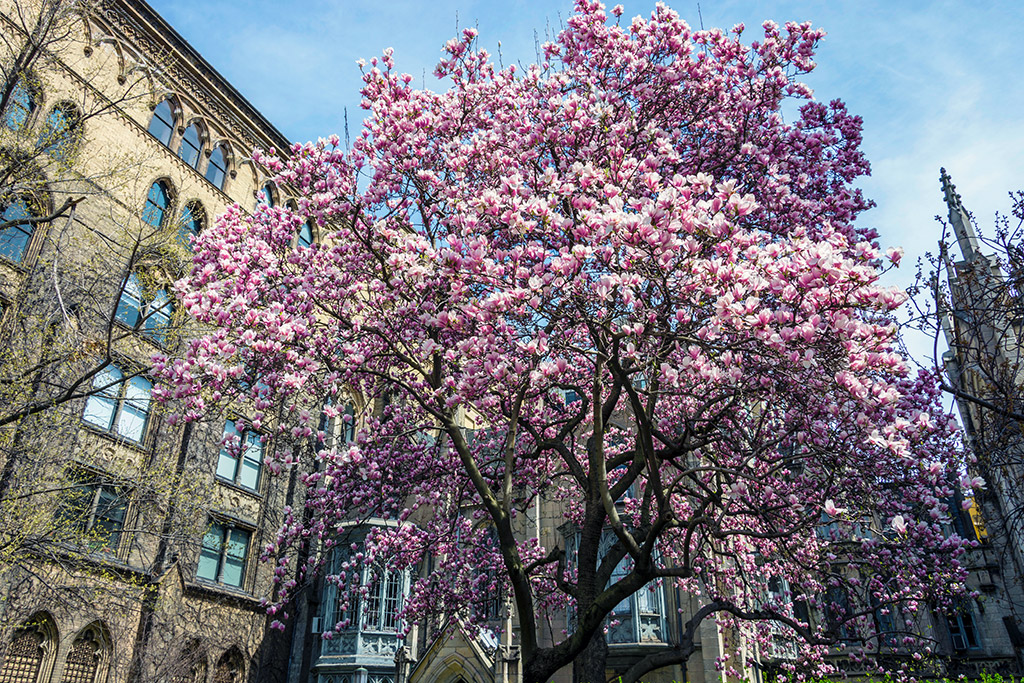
(156, 205)
(75, 506)
(159, 320)
(392, 601)
(100, 408)
(162, 124)
(109, 518)
(129, 306)
(372, 604)
(249, 477)
(265, 196)
(135, 411)
(19, 107)
(234, 557)
(14, 239)
(191, 224)
(188, 150)
(58, 136)
(217, 169)
(209, 556)
(306, 235)
(227, 463)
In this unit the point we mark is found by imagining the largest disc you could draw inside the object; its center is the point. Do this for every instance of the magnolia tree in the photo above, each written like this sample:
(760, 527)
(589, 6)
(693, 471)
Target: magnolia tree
(648, 291)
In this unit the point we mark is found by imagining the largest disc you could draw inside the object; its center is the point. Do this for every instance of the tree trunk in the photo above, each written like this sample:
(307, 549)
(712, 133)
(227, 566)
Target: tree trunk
(590, 665)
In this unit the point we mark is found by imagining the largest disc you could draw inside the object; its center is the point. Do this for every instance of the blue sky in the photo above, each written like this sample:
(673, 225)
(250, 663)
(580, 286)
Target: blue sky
(937, 83)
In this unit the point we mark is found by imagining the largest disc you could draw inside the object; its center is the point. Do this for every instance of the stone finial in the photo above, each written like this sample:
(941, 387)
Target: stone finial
(959, 219)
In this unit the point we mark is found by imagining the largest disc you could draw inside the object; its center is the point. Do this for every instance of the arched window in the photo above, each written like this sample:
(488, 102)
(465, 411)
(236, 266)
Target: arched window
(191, 146)
(229, 667)
(19, 107)
(217, 170)
(85, 657)
(306, 235)
(27, 654)
(15, 232)
(192, 219)
(161, 126)
(60, 135)
(265, 196)
(157, 201)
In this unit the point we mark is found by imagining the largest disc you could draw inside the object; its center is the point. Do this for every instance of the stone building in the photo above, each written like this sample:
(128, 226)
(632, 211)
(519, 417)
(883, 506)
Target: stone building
(130, 544)
(982, 328)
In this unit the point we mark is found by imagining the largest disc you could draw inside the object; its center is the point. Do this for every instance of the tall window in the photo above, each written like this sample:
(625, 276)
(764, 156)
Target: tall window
(83, 659)
(97, 510)
(217, 169)
(120, 407)
(161, 126)
(963, 631)
(383, 602)
(241, 456)
(223, 556)
(60, 134)
(15, 237)
(19, 107)
(638, 618)
(150, 311)
(192, 217)
(28, 650)
(306, 235)
(157, 201)
(265, 196)
(191, 146)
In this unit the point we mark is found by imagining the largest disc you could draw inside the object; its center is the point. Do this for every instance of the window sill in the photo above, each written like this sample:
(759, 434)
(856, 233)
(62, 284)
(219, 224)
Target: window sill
(116, 438)
(220, 590)
(227, 483)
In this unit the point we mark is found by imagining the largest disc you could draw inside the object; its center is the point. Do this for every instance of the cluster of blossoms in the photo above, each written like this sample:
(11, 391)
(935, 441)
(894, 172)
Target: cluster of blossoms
(648, 291)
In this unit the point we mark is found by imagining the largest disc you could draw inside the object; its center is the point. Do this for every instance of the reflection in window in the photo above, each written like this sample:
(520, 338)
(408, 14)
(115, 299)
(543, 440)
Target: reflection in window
(119, 407)
(191, 146)
(222, 558)
(241, 456)
(15, 237)
(161, 126)
(157, 201)
(217, 169)
(19, 107)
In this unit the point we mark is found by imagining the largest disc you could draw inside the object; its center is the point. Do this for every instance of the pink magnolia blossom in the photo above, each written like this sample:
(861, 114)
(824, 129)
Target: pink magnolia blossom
(649, 293)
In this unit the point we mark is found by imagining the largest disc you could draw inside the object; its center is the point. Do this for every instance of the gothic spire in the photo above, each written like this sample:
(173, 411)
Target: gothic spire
(959, 218)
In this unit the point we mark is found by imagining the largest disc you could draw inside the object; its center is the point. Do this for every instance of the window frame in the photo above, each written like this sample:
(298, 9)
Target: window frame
(226, 528)
(135, 301)
(194, 224)
(31, 95)
(238, 461)
(168, 194)
(169, 124)
(29, 214)
(197, 147)
(65, 142)
(114, 399)
(224, 171)
(87, 516)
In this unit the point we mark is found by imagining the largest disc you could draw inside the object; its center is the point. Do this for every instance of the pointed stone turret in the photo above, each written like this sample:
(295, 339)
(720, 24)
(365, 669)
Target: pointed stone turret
(959, 218)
